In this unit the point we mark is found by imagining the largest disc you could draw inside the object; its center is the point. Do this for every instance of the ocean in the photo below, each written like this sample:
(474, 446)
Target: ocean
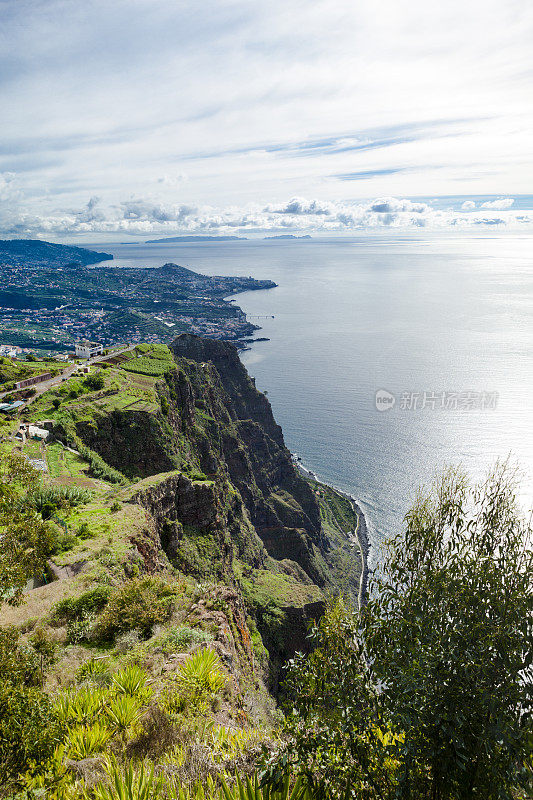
(390, 356)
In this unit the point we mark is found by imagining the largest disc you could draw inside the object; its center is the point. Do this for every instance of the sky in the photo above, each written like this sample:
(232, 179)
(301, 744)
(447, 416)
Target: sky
(134, 117)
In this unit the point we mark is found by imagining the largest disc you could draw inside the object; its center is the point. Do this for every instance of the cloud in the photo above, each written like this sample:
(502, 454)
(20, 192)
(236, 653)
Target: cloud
(8, 186)
(501, 203)
(140, 216)
(173, 180)
(391, 205)
(468, 205)
(366, 174)
(138, 209)
(301, 206)
(259, 102)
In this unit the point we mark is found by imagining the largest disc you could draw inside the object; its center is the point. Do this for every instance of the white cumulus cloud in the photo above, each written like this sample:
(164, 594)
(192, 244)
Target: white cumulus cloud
(501, 203)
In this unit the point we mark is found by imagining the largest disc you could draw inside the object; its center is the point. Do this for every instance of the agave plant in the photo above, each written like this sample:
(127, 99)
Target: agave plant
(202, 674)
(81, 707)
(227, 742)
(87, 741)
(251, 790)
(95, 671)
(201, 791)
(132, 681)
(123, 713)
(128, 783)
(195, 684)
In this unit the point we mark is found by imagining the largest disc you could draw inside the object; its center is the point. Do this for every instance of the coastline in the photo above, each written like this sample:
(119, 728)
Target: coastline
(359, 535)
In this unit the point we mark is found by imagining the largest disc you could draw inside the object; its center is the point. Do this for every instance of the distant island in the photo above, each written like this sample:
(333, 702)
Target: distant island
(35, 253)
(197, 239)
(50, 297)
(288, 236)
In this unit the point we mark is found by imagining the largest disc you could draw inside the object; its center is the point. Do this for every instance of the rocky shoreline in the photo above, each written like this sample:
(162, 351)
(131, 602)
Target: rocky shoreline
(359, 536)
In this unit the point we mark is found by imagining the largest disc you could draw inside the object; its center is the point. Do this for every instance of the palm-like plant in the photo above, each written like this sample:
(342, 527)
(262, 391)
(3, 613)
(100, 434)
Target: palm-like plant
(207, 791)
(81, 707)
(195, 684)
(86, 741)
(132, 681)
(128, 783)
(201, 675)
(123, 712)
(251, 790)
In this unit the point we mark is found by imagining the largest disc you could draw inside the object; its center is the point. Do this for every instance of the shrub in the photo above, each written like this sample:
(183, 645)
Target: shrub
(56, 402)
(84, 532)
(178, 639)
(95, 381)
(139, 604)
(29, 730)
(75, 608)
(64, 541)
(19, 665)
(81, 630)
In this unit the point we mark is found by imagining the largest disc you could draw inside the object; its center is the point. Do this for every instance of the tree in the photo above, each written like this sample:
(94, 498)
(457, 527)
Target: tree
(449, 636)
(335, 738)
(29, 728)
(26, 539)
(95, 381)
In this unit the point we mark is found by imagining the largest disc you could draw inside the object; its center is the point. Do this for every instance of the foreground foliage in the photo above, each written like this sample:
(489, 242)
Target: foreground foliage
(423, 696)
(428, 696)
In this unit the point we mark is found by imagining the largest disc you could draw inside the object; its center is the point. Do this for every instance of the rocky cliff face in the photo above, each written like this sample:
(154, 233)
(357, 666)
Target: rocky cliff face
(222, 494)
(248, 444)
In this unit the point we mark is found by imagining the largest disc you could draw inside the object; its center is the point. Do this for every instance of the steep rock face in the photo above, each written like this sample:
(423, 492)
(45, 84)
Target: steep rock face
(134, 442)
(251, 445)
(246, 401)
(219, 424)
(202, 526)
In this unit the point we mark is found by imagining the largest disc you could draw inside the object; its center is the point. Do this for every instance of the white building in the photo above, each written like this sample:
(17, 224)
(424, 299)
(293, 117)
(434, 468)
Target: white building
(9, 351)
(86, 349)
(35, 432)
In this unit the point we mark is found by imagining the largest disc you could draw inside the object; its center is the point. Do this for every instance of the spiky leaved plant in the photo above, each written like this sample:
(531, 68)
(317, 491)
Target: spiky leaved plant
(123, 713)
(86, 741)
(251, 790)
(132, 681)
(128, 783)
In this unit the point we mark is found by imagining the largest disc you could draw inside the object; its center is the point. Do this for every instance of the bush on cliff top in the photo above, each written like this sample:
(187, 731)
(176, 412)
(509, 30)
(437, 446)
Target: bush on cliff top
(137, 605)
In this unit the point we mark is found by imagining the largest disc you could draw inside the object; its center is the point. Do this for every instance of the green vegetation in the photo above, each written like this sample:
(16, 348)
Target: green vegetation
(138, 605)
(154, 361)
(12, 371)
(128, 678)
(428, 697)
(76, 608)
(27, 540)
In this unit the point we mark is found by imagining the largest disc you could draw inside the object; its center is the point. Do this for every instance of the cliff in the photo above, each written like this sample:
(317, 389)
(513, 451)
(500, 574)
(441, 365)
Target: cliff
(205, 465)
